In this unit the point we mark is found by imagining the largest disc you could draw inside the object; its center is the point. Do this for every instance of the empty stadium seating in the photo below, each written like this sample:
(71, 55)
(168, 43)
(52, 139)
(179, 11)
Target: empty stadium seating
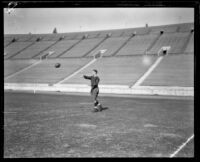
(59, 48)
(23, 37)
(73, 52)
(137, 45)
(114, 33)
(13, 66)
(114, 70)
(165, 28)
(81, 35)
(45, 72)
(190, 46)
(173, 70)
(90, 34)
(34, 49)
(82, 48)
(139, 31)
(175, 40)
(69, 36)
(8, 38)
(34, 37)
(186, 27)
(6, 43)
(15, 47)
(111, 44)
(93, 34)
(51, 37)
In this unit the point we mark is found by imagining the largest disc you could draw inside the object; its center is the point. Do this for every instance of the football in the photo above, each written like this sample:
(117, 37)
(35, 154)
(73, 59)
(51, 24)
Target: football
(57, 65)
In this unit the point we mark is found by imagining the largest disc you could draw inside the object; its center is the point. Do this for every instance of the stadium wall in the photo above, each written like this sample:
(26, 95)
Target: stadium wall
(110, 89)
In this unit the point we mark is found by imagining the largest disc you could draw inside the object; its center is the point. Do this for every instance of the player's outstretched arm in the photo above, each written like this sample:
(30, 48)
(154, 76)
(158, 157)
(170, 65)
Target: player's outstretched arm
(87, 77)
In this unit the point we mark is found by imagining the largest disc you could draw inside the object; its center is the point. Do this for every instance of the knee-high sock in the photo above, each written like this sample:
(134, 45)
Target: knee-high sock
(96, 103)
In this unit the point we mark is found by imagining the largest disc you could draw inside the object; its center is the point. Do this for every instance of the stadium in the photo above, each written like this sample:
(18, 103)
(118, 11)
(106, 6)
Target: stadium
(146, 87)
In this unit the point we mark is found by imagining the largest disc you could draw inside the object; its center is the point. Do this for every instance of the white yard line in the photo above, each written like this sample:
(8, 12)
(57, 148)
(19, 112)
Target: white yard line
(148, 72)
(182, 146)
(24, 69)
(91, 62)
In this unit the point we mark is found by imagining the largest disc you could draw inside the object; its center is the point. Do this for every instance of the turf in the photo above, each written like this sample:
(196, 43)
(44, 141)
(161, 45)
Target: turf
(50, 125)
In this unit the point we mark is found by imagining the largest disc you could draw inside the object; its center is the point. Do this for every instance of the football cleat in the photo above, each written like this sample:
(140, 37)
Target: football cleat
(100, 108)
(95, 109)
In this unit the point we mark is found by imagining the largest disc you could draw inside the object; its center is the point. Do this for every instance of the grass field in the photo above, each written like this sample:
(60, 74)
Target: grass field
(50, 125)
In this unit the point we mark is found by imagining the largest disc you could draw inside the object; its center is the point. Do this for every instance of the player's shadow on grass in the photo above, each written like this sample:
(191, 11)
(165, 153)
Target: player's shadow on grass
(104, 108)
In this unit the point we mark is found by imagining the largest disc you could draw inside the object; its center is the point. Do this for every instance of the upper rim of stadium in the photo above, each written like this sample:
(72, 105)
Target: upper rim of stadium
(181, 27)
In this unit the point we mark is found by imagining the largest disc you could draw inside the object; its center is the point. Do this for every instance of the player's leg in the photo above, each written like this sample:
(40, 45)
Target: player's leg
(99, 106)
(94, 96)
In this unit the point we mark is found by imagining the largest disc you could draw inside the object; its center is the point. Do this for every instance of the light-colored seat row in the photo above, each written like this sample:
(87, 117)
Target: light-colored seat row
(137, 45)
(115, 70)
(173, 70)
(45, 72)
(175, 40)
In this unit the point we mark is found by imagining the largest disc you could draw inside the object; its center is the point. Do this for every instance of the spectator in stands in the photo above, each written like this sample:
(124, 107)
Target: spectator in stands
(94, 89)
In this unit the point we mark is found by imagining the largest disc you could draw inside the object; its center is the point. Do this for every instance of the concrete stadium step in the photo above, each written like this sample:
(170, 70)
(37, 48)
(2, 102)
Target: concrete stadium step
(82, 48)
(28, 53)
(148, 72)
(190, 46)
(76, 72)
(115, 70)
(58, 48)
(45, 72)
(22, 70)
(153, 43)
(137, 45)
(95, 47)
(174, 70)
(69, 48)
(111, 44)
(14, 65)
(115, 53)
(174, 40)
(13, 55)
(8, 44)
(45, 49)
(186, 43)
(186, 27)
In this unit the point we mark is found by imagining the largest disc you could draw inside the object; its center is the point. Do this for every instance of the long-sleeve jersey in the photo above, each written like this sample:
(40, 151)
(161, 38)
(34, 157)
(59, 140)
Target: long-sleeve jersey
(94, 81)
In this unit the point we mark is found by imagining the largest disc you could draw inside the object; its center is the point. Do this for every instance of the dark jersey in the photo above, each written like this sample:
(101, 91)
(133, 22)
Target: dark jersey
(94, 81)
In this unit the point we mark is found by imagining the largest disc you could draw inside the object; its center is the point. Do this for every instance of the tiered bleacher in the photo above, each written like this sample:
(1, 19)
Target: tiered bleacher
(45, 72)
(82, 48)
(34, 49)
(138, 45)
(139, 31)
(164, 28)
(190, 46)
(115, 33)
(186, 27)
(59, 48)
(7, 40)
(175, 70)
(53, 37)
(93, 34)
(15, 48)
(123, 66)
(13, 66)
(110, 44)
(175, 40)
(116, 71)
